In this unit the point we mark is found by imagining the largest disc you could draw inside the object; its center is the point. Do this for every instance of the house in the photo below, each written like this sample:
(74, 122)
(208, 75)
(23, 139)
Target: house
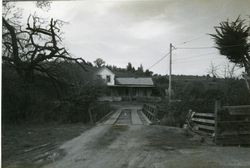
(126, 87)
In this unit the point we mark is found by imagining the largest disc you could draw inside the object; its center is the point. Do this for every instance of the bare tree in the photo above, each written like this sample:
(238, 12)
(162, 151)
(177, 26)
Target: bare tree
(31, 50)
(229, 71)
(213, 70)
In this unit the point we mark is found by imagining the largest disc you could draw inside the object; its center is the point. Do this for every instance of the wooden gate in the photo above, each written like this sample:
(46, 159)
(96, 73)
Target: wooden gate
(229, 125)
(232, 125)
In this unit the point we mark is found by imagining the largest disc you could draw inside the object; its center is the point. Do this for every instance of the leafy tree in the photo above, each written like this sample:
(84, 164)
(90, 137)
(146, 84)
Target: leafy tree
(89, 63)
(231, 39)
(99, 62)
(130, 68)
(148, 73)
(83, 92)
(140, 69)
(194, 90)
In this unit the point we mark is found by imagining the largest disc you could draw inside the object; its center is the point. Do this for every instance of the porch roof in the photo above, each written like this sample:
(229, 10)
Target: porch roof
(134, 86)
(134, 82)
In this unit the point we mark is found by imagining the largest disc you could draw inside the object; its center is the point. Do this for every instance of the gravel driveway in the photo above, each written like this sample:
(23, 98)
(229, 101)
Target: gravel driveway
(129, 145)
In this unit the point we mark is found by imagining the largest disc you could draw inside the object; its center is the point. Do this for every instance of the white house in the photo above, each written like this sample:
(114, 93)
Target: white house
(107, 75)
(131, 87)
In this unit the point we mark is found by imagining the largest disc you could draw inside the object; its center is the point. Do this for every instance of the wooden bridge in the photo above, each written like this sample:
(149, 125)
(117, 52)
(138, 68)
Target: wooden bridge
(145, 115)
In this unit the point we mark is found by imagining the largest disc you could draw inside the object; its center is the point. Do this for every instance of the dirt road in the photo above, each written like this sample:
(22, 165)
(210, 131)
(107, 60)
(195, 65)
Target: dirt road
(127, 141)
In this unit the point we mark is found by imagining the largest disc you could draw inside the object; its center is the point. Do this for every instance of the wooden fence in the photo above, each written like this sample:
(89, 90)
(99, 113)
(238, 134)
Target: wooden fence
(230, 125)
(150, 111)
(203, 122)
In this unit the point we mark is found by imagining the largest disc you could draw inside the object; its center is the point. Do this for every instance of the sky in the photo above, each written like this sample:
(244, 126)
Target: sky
(140, 31)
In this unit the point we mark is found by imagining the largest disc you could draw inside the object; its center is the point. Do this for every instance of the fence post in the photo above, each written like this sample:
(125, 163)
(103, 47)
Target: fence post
(90, 115)
(217, 108)
(156, 114)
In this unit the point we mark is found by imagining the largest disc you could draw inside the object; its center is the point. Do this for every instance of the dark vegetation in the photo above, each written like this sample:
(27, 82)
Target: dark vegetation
(198, 94)
(128, 71)
(66, 102)
(42, 82)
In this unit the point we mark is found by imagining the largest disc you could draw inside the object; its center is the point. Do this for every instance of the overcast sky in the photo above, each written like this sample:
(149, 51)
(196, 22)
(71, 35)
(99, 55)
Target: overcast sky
(122, 31)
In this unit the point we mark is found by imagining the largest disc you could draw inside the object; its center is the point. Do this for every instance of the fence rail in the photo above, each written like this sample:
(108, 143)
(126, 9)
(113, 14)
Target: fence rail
(230, 125)
(233, 125)
(202, 122)
(150, 111)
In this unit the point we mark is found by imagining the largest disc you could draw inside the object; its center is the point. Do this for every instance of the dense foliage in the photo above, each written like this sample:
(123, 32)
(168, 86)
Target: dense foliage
(68, 101)
(232, 40)
(200, 95)
(41, 80)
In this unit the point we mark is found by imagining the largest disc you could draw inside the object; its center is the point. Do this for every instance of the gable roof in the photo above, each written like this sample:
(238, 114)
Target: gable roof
(135, 81)
(103, 68)
(124, 74)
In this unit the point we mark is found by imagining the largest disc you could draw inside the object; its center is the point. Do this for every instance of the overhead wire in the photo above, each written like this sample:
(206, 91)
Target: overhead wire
(207, 47)
(194, 56)
(191, 40)
(195, 61)
(199, 47)
(157, 62)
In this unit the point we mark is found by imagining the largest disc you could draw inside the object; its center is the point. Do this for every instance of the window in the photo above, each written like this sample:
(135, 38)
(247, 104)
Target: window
(108, 78)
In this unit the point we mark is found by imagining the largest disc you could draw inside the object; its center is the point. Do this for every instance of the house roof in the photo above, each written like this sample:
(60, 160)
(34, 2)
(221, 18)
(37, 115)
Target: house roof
(135, 81)
(125, 74)
(102, 68)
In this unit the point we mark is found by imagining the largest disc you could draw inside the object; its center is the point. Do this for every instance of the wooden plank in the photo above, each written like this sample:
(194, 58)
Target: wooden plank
(148, 112)
(234, 122)
(145, 117)
(236, 107)
(211, 128)
(238, 110)
(151, 106)
(203, 120)
(236, 131)
(204, 114)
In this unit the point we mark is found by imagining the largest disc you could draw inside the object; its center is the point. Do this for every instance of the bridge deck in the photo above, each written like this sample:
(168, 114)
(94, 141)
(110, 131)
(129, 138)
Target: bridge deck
(127, 116)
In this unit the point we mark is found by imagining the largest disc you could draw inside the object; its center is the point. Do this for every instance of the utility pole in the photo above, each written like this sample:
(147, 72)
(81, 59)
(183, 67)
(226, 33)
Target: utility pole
(170, 73)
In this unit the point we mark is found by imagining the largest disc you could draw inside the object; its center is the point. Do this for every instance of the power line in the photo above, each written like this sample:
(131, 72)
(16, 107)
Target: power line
(199, 47)
(159, 60)
(193, 47)
(195, 61)
(208, 47)
(191, 40)
(185, 58)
